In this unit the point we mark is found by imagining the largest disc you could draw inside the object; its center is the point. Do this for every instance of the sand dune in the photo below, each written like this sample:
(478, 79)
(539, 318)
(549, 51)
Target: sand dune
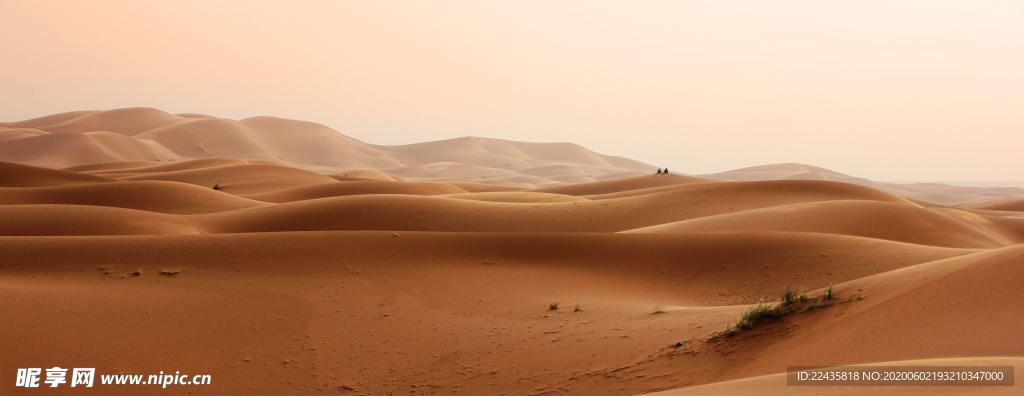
(504, 154)
(517, 197)
(930, 192)
(14, 175)
(144, 134)
(284, 257)
(621, 185)
(309, 143)
(68, 149)
(904, 301)
(130, 168)
(407, 212)
(356, 187)
(127, 121)
(956, 283)
(319, 291)
(51, 220)
(9, 134)
(787, 171)
(368, 174)
(312, 202)
(46, 120)
(873, 219)
(1012, 204)
(110, 166)
(154, 196)
(237, 179)
(913, 304)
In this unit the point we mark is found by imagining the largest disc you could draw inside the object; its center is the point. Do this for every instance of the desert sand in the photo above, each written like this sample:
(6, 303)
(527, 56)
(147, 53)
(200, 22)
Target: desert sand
(135, 137)
(135, 240)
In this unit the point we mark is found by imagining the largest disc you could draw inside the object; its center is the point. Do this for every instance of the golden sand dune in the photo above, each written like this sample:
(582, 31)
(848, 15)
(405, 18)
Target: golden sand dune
(14, 175)
(902, 301)
(85, 138)
(154, 196)
(526, 213)
(425, 292)
(49, 120)
(60, 150)
(628, 184)
(930, 192)
(11, 134)
(233, 248)
(503, 154)
(50, 220)
(873, 219)
(484, 187)
(1011, 204)
(517, 197)
(113, 166)
(128, 121)
(918, 309)
(356, 187)
(144, 134)
(971, 286)
(369, 174)
(232, 193)
(238, 179)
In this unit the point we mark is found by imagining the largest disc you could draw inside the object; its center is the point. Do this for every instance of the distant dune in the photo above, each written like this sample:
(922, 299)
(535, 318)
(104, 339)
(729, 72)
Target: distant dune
(1011, 204)
(143, 134)
(285, 258)
(947, 194)
(873, 219)
(135, 137)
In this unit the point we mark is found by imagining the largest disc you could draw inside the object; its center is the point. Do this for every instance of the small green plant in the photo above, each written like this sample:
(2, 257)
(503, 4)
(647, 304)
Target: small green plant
(756, 314)
(788, 297)
(553, 306)
(787, 305)
(658, 309)
(803, 297)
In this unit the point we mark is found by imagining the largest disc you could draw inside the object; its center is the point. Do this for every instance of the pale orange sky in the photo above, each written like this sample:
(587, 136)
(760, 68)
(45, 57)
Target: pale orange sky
(910, 89)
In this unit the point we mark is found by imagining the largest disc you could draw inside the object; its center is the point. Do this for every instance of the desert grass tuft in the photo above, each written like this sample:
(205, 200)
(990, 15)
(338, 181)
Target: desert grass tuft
(756, 314)
(788, 297)
(803, 297)
(787, 305)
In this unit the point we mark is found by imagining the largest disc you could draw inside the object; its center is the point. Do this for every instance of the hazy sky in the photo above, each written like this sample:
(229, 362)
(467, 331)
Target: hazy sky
(909, 89)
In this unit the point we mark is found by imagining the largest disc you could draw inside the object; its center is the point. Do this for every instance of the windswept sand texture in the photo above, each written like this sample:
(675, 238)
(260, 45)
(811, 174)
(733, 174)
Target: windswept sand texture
(296, 276)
